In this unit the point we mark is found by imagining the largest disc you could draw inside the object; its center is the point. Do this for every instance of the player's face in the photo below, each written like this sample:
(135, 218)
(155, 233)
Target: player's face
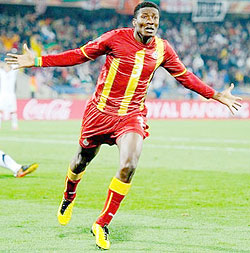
(146, 22)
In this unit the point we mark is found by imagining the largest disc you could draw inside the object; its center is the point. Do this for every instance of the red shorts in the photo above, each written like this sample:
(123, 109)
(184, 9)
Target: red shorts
(99, 128)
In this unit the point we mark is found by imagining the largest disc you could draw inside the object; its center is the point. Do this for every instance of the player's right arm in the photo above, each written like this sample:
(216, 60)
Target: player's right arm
(27, 59)
(72, 57)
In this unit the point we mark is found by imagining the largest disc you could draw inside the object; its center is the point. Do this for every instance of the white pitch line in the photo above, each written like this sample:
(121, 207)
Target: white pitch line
(46, 141)
(203, 140)
(146, 145)
(200, 148)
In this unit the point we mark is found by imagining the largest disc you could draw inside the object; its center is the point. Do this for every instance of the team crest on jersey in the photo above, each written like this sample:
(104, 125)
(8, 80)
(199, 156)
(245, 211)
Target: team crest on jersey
(155, 55)
(85, 142)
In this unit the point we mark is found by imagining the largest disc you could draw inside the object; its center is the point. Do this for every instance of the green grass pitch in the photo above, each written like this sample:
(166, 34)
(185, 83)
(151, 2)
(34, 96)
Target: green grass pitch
(190, 192)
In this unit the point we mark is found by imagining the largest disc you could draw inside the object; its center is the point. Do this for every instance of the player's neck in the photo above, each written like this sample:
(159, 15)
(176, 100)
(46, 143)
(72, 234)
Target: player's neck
(143, 39)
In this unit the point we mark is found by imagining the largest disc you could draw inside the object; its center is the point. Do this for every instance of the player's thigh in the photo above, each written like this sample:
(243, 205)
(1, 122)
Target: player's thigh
(8, 102)
(12, 105)
(3, 103)
(130, 147)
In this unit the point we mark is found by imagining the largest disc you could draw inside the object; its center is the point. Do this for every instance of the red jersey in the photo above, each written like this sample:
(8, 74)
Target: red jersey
(124, 79)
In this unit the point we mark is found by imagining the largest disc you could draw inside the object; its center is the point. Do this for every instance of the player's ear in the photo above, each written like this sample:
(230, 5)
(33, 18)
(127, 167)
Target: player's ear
(134, 22)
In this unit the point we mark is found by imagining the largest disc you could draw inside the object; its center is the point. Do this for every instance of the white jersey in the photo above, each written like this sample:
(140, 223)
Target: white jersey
(8, 81)
(8, 90)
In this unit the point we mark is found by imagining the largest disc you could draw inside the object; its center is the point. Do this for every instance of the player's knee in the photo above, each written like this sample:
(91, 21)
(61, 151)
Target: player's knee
(83, 163)
(79, 164)
(82, 159)
(127, 171)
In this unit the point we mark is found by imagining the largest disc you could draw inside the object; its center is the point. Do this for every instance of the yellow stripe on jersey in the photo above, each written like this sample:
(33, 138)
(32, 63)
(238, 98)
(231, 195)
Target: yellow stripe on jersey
(160, 57)
(133, 82)
(180, 74)
(82, 49)
(160, 52)
(108, 83)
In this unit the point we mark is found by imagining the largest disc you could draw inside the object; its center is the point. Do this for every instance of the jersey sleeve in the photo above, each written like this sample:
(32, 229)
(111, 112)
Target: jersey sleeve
(90, 51)
(172, 62)
(192, 82)
(64, 59)
(99, 46)
(176, 68)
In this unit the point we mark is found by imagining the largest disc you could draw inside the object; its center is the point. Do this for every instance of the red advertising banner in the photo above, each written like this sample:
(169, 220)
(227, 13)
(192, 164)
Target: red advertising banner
(192, 109)
(57, 109)
(60, 109)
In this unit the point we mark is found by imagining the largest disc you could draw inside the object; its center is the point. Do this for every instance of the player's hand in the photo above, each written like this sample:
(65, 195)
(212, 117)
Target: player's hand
(25, 60)
(226, 98)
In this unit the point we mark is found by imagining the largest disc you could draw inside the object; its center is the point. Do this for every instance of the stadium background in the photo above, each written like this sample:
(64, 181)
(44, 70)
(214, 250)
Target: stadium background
(217, 51)
(191, 190)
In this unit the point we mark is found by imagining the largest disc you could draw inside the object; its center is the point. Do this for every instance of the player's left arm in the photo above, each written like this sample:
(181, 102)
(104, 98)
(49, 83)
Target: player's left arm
(189, 80)
(225, 97)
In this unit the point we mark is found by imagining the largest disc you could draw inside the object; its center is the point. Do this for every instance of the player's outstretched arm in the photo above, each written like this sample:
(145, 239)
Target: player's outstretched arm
(25, 60)
(225, 97)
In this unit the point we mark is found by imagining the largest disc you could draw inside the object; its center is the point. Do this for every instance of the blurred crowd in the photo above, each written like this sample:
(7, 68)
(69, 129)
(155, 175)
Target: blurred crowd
(217, 52)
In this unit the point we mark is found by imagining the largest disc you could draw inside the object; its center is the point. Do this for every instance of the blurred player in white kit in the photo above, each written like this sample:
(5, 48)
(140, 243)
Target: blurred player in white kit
(8, 104)
(18, 170)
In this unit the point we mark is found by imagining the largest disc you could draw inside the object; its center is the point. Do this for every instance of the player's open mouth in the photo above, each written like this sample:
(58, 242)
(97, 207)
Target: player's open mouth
(149, 29)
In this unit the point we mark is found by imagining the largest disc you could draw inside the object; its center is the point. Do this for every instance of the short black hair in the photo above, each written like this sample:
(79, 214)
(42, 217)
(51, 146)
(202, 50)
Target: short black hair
(145, 4)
